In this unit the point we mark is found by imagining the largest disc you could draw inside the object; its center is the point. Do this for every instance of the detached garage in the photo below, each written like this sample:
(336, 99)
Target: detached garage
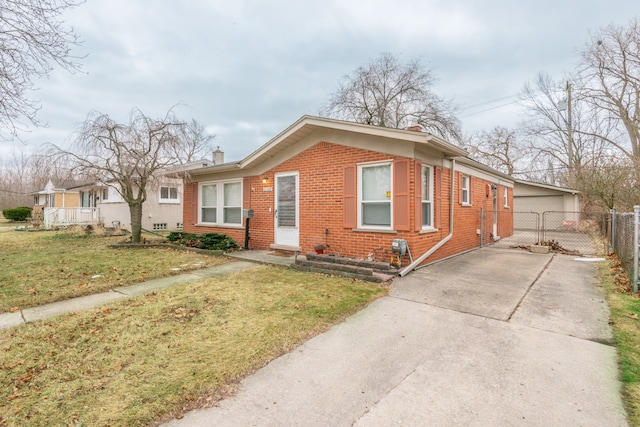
(540, 198)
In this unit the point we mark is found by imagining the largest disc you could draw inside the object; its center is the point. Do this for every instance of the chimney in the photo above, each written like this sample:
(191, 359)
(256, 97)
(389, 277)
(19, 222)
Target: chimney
(218, 156)
(415, 127)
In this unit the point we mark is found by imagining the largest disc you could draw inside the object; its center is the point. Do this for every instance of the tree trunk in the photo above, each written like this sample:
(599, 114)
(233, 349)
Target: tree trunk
(136, 222)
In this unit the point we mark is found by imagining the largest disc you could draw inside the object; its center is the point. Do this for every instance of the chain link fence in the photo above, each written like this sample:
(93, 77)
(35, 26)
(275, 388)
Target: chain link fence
(569, 232)
(565, 231)
(621, 234)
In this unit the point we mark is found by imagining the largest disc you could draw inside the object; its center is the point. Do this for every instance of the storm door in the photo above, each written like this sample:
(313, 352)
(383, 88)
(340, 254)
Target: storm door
(287, 232)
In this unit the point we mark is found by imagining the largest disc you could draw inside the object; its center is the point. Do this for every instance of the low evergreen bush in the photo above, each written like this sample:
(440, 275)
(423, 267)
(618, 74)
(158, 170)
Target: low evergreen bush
(17, 214)
(210, 241)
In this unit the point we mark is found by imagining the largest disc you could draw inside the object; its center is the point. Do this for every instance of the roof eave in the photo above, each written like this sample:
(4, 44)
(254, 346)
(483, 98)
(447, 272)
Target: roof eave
(319, 122)
(211, 169)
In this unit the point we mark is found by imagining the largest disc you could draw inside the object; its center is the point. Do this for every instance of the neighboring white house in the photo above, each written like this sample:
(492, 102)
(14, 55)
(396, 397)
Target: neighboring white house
(101, 203)
(161, 211)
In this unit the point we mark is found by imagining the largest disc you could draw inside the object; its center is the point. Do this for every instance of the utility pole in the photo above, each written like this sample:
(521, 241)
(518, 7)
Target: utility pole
(571, 162)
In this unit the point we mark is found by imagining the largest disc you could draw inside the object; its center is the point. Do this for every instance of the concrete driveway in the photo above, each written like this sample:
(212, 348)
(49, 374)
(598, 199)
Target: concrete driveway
(492, 337)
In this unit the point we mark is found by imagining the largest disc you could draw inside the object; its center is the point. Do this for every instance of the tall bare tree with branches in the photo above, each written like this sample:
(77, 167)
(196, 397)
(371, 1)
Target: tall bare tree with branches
(610, 71)
(388, 93)
(196, 142)
(500, 148)
(128, 156)
(22, 173)
(33, 39)
(549, 135)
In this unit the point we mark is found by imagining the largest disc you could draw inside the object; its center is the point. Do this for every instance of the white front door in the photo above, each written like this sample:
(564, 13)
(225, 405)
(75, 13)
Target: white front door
(287, 231)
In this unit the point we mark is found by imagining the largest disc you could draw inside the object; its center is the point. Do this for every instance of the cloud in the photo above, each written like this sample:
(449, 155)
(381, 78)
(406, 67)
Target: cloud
(247, 69)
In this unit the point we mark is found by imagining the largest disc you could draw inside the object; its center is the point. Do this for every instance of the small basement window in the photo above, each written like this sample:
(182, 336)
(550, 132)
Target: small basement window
(179, 226)
(160, 226)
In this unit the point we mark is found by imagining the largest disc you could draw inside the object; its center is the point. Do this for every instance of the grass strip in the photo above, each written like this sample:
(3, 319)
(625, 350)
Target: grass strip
(625, 314)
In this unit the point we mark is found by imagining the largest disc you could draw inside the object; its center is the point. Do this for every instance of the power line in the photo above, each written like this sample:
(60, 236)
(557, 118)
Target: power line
(492, 108)
(469, 107)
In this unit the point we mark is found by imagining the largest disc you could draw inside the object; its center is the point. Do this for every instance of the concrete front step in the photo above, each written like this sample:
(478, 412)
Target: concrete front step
(327, 261)
(373, 277)
(353, 269)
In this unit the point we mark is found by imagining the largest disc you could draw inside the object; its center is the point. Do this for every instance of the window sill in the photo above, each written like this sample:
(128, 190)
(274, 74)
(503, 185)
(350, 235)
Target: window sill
(170, 202)
(466, 205)
(373, 230)
(429, 230)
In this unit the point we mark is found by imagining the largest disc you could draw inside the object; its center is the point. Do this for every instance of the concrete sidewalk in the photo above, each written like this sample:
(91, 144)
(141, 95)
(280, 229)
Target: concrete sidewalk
(491, 337)
(33, 314)
(246, 260)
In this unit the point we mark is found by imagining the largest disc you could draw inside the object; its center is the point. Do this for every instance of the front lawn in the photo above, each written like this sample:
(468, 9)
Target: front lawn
(43, 267)
(138, 361)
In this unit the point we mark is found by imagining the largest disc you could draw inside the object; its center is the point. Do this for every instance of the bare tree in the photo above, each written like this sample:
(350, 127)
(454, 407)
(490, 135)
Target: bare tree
(23, 173)
(499, 148)
(608, 183)
(610, 68)
(129, 156)
(33, 39)
(558, 137)
(196, 142)
(390, 94)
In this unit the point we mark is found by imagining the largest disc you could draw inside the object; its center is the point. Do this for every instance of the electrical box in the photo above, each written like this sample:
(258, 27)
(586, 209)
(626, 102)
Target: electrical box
(399, 246)
(247, 213)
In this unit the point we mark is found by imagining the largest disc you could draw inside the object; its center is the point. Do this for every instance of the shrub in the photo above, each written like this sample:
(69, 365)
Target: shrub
(210, 241)
(17, 214)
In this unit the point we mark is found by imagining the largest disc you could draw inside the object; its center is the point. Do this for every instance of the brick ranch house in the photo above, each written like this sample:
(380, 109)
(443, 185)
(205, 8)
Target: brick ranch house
(355, 189)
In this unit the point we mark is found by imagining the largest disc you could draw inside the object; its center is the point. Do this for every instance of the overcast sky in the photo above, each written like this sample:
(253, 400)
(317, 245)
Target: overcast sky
(247, 69)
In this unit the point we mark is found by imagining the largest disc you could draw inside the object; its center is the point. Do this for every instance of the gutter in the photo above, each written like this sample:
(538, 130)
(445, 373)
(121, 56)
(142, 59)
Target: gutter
(408, 269)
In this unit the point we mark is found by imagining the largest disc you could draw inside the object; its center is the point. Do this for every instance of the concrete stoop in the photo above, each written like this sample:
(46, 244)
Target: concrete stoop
(349, 267)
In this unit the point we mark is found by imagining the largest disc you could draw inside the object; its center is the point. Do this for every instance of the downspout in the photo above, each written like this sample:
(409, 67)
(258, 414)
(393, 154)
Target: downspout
(408, 269)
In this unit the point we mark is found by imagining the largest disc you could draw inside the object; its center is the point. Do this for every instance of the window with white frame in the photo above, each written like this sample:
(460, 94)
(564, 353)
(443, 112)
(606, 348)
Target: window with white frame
(465, 190)
(209, 203)
(221, 203)
(375, 195)
(168, 194)
(105, 194)
(232, 203)
(427, 197)
(505, 196)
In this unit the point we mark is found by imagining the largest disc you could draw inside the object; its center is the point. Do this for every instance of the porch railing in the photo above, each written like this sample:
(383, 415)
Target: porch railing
(57, 217)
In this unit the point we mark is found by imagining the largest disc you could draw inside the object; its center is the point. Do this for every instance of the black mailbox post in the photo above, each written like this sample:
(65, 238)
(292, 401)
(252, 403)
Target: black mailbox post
(247, 214)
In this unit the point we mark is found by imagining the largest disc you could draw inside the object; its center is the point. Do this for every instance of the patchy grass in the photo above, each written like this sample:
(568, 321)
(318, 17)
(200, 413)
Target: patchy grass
(625, 314)
(138, 361)
(43, 267)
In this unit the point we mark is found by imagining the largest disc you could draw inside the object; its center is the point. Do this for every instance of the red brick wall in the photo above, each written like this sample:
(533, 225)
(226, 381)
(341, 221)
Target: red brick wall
(321, 180)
